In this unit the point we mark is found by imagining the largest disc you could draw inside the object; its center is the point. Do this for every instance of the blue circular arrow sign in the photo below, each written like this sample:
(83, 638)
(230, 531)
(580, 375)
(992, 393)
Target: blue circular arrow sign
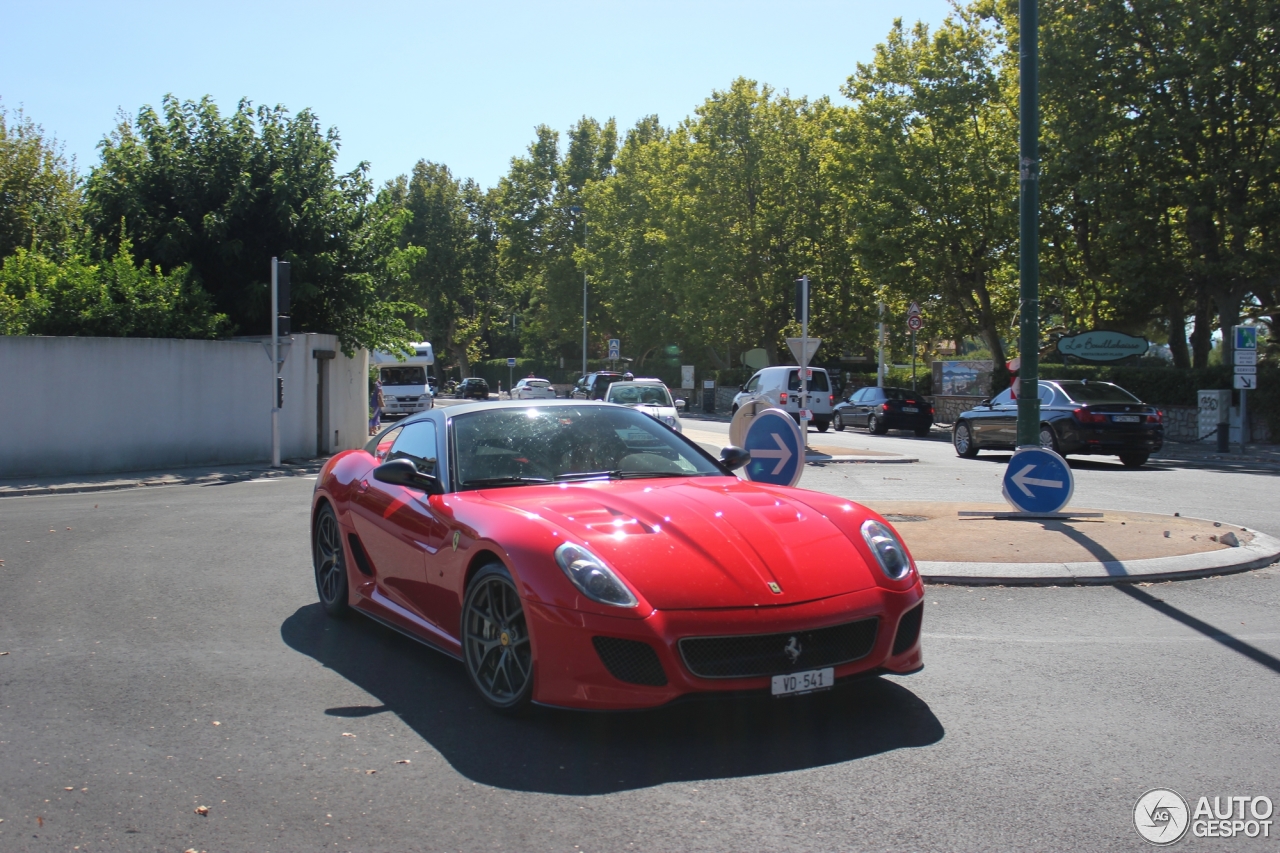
(776, 447)
(1038, 481)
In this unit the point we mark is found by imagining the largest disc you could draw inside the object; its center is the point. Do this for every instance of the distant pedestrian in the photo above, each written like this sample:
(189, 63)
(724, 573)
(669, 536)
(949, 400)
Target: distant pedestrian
(375, 404)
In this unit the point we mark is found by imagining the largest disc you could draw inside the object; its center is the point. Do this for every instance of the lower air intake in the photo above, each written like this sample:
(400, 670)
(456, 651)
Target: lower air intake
(774, 654)
(631, 661)
(908, 629)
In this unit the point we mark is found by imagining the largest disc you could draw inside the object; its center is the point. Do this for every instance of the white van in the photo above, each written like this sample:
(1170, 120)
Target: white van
(405, 389)
(780, 386)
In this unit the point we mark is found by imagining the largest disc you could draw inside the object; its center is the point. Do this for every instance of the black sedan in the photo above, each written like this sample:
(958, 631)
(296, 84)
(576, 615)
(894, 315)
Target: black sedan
(1076, 416)
(883, 409)
(473, 388)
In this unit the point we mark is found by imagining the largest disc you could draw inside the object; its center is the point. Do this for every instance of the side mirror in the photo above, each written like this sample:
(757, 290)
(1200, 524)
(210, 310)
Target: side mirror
(680, 405)
(402, 472)
(986, 403)
(734, 457)
(742, 387)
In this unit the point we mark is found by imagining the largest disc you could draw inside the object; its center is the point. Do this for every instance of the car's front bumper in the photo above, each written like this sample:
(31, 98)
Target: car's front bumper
(570, 672)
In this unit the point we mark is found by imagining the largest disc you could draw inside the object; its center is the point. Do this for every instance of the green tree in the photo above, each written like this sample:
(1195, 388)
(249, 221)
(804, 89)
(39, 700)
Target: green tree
(222, 195)
(39, 188)
(929, 160)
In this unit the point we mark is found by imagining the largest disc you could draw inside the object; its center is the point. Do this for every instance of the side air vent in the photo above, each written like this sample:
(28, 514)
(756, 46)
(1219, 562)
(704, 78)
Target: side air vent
(908, 629)
(631, 661)
(362, 559)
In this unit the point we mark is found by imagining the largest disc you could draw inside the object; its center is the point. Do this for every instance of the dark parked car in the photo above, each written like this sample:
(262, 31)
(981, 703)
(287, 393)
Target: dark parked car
(883, 409)
(474, 388)
(1076, 416)
(594, 385)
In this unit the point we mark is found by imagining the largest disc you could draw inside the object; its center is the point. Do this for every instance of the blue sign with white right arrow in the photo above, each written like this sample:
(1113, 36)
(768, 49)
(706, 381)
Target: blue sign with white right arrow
(1038, 481)
(776, 447)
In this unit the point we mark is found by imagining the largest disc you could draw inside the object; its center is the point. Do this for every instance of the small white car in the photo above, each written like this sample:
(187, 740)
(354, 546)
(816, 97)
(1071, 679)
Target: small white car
(649, 396)
(780, 386)
(532, 388)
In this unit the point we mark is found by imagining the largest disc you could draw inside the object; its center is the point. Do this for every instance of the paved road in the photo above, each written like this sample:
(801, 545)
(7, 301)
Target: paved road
(134, 620)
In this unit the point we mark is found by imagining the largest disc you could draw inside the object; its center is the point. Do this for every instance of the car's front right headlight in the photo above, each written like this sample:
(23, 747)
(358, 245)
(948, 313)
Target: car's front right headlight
(592, 577)
(888, 551)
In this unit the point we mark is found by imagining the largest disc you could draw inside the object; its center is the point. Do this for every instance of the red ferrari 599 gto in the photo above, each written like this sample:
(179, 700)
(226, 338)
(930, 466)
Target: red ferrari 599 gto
(584, 555)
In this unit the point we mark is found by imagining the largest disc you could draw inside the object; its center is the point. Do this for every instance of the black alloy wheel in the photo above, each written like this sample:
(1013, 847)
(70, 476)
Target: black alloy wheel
(1134, 460)
(963, 441)
(495, 642)
(1049, 439)
(839, 422)
(876, 426)
(330, 562)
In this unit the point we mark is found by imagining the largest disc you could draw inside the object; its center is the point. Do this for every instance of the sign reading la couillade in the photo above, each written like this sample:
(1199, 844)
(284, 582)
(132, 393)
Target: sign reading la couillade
(1102, 345)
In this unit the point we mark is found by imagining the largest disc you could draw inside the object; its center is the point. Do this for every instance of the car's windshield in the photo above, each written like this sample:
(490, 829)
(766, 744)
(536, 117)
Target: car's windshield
(409, 375)
(1096, 392)
(817, 381)
(634, 395)
(511, 446)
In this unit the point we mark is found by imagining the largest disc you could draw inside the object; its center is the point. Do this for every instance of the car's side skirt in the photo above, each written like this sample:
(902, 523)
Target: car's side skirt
(431, 636)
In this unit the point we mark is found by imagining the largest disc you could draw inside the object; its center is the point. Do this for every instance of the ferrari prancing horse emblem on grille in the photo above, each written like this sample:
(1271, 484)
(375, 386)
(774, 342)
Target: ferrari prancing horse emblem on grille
(792, 649)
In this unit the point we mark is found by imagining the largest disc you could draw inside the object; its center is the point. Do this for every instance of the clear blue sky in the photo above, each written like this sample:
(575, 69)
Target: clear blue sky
(460, 83)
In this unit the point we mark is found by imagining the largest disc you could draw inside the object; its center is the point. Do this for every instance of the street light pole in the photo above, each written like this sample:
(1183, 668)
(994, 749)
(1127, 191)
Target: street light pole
(1029, 224)
(575, 210)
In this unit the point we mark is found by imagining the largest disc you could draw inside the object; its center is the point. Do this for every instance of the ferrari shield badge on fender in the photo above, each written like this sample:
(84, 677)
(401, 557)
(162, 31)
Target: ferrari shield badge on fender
(774, 588)
(457, 534)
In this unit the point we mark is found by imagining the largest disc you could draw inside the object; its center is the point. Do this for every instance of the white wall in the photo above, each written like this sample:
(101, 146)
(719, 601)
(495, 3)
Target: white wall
(100, 405)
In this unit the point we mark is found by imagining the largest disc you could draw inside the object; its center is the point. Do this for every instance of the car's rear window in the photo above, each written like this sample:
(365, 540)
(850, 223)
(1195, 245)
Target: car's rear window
(1096, 392)
(901, 394)
(817, 380)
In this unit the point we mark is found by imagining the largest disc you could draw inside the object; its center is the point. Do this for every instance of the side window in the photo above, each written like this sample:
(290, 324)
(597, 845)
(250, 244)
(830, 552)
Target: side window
(858, 396)
(380, 444)
(417, 444)
(754, 384)
(1004, 398)
(1045, 393)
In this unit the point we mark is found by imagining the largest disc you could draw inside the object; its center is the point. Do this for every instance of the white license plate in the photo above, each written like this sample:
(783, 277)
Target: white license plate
(804, 682)
(911, 409)
(1125, 419)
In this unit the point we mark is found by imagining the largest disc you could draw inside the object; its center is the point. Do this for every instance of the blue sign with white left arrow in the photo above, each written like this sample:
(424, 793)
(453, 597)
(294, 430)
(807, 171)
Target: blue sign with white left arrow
(1038, 481)
(776, 447)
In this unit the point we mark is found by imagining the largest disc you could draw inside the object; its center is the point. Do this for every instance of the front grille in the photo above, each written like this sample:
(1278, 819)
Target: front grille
(767, 654)
(908, 629)
(630, 660)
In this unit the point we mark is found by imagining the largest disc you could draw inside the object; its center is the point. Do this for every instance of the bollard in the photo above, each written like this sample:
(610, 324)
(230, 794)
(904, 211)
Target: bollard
(1224, 435)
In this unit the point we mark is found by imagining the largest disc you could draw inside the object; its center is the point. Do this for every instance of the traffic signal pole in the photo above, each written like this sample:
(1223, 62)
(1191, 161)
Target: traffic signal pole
(1029, 224)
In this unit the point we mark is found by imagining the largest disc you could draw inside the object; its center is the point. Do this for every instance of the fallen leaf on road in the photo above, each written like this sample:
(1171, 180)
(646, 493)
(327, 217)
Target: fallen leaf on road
(202, 810)
(2, 654)
(347, 734)
(68, 789)
(39, 821)
(216, 723)
(68, 528)
(403, 761)
(370, 772)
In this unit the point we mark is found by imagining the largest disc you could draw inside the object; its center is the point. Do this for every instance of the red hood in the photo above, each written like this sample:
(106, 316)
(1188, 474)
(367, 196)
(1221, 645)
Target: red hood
(688, 544)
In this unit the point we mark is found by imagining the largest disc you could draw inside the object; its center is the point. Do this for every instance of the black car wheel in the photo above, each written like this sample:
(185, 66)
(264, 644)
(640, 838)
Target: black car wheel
(495, 641)
(923, 432)
(962, 438)
(1134, 460)
(1049, 439)
(330, 562)
(822, 425)
(876, 426)
(839, 422)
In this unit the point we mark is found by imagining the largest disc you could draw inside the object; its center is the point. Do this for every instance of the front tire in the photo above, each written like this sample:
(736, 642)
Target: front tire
(495, 640)
(962, 440)
(330, 561)
(922, 432)
(1134, 460)
(822, 426)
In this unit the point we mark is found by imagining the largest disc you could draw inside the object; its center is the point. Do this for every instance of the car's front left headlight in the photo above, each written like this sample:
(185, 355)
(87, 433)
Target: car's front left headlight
(592, 577)
(888, 551)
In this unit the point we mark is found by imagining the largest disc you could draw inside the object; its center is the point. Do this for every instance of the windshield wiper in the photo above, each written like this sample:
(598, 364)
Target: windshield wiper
(618, 474)
(505, 481)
